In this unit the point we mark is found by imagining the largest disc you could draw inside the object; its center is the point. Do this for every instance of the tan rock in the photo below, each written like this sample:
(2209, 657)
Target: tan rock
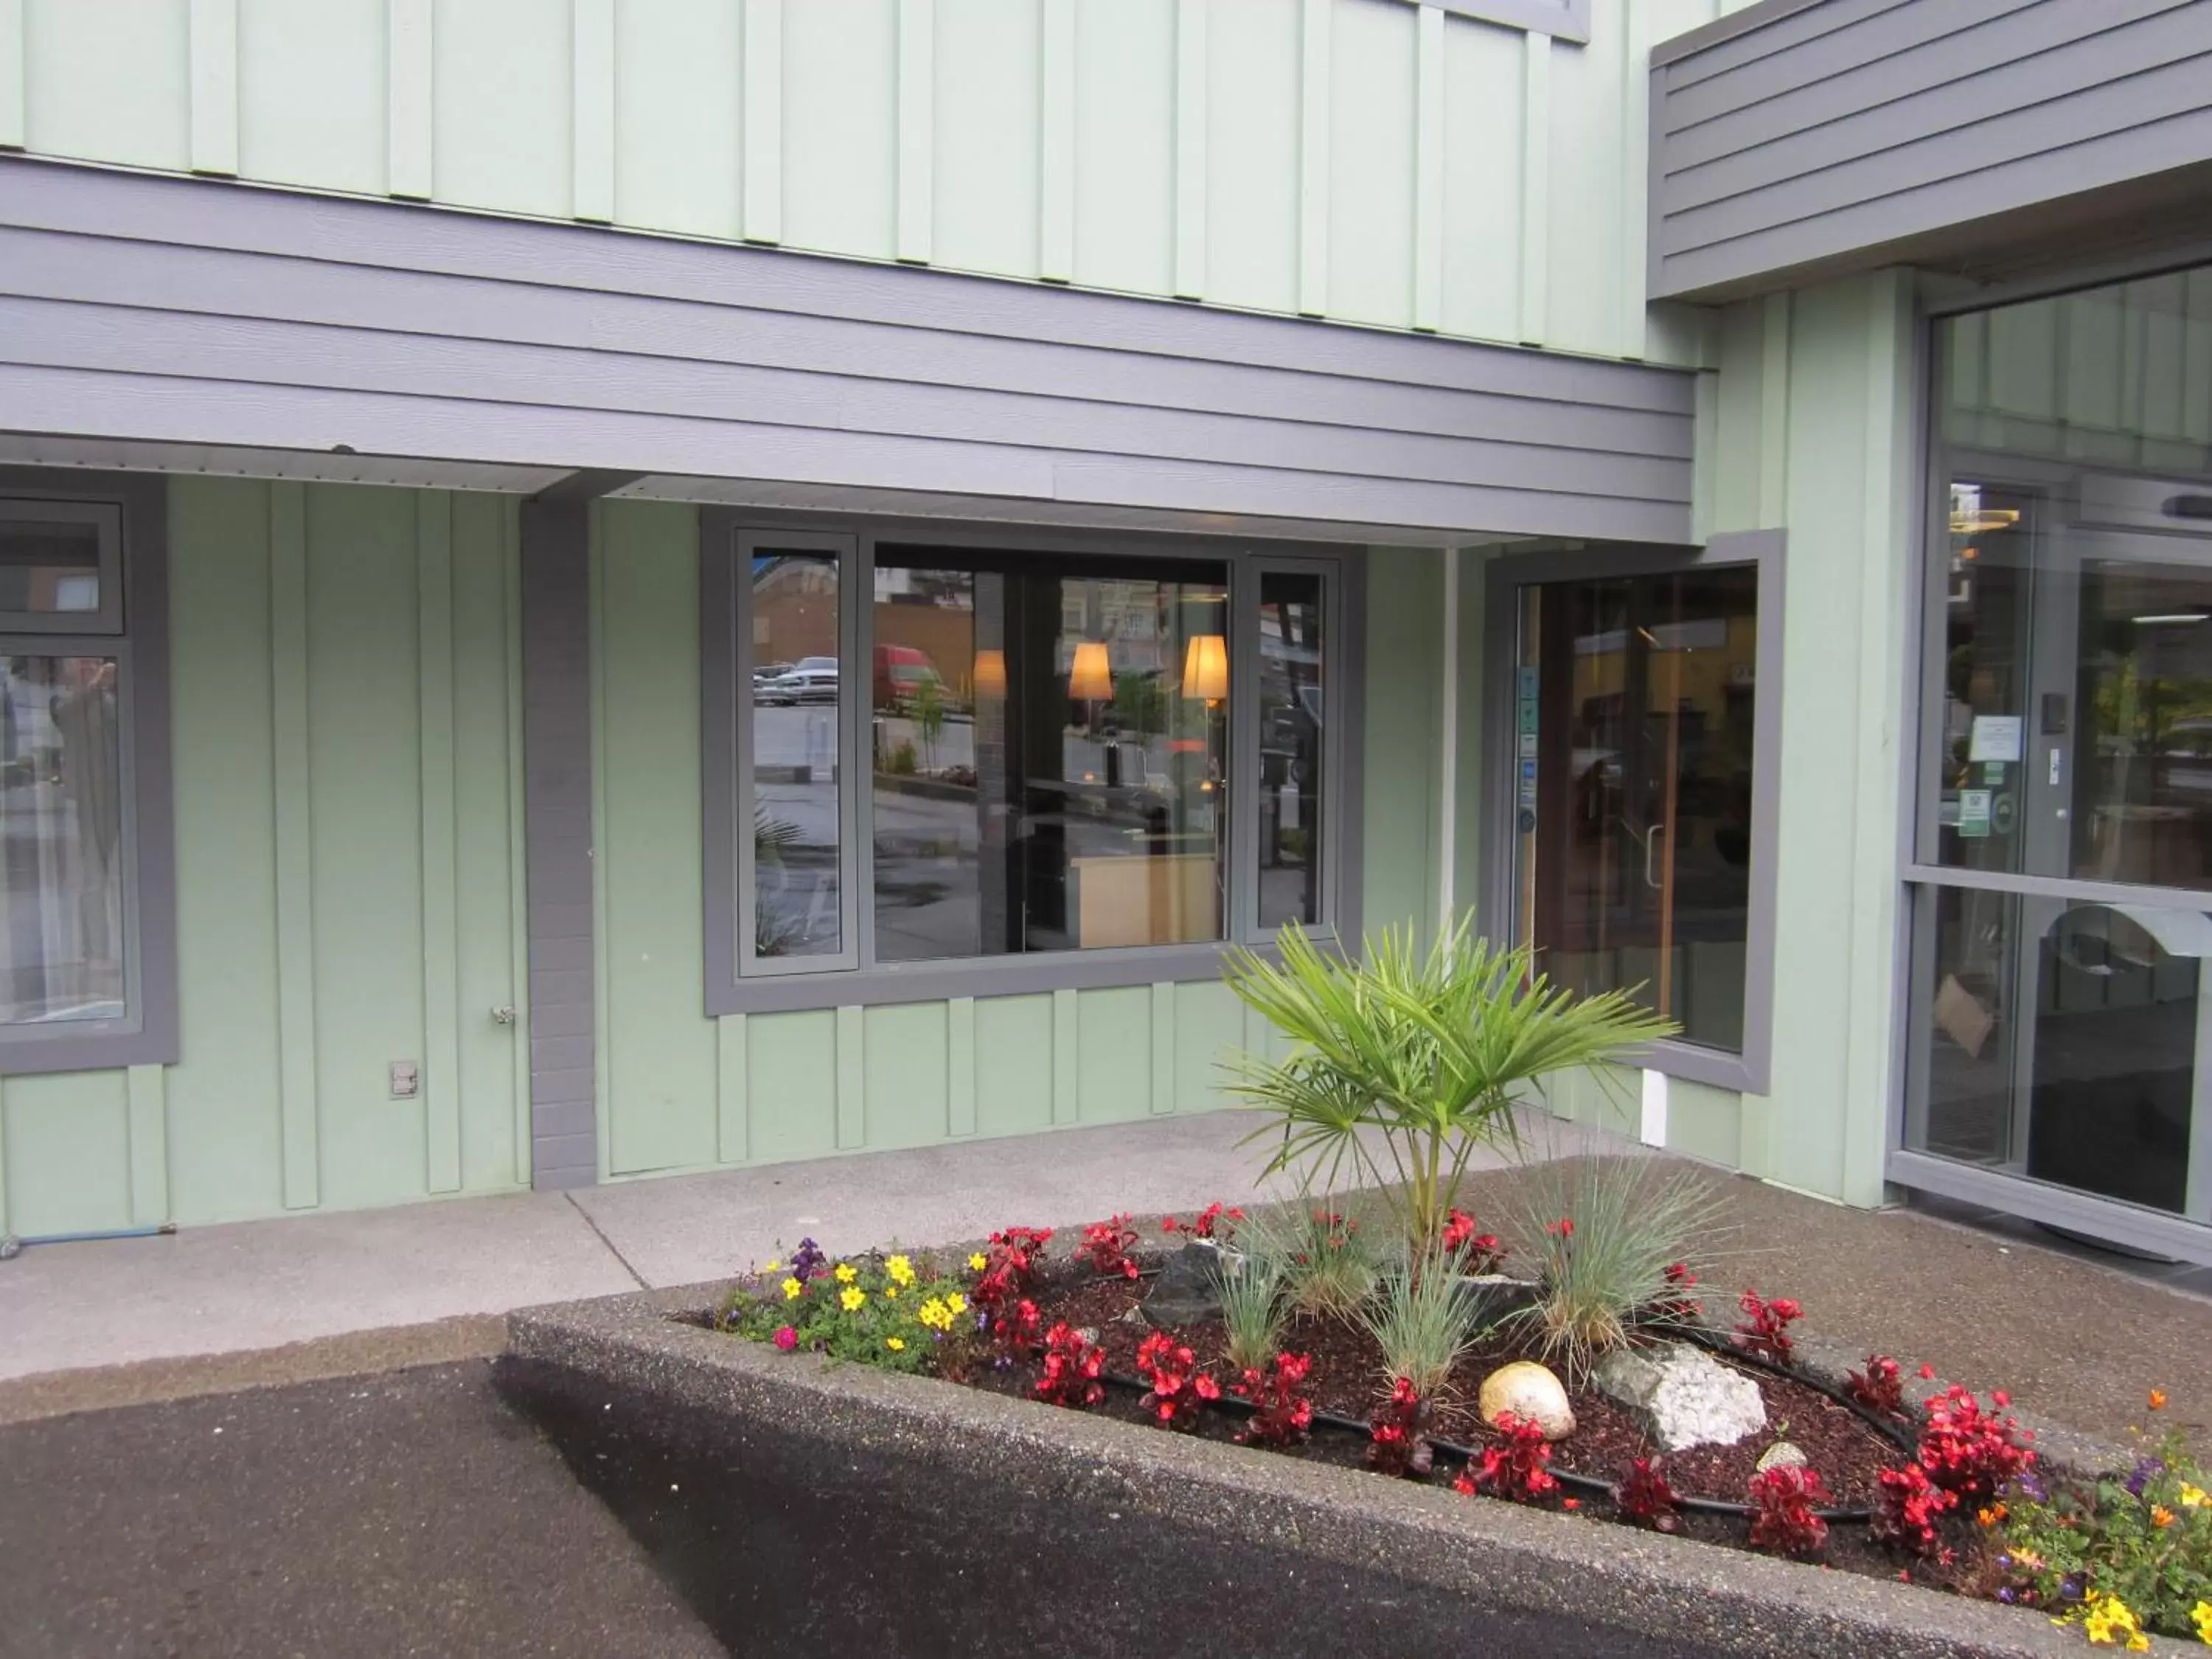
(1531, 1392)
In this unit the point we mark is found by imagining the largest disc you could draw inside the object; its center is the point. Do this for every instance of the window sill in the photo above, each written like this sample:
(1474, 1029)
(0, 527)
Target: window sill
(24, 1054)
(1000, 977)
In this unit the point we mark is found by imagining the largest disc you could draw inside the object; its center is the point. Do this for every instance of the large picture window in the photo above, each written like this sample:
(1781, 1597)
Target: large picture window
(85, 934)
(1108, 759)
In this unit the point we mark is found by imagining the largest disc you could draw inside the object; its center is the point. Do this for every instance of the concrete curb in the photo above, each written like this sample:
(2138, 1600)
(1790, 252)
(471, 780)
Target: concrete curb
(1519, 1562)
(45, 1395)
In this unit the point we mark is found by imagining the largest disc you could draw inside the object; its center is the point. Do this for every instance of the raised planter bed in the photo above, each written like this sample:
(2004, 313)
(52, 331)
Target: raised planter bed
(1535, 1581)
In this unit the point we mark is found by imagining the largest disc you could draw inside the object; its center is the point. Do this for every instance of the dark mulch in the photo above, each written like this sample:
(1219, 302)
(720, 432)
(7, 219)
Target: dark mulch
(1345, 1380)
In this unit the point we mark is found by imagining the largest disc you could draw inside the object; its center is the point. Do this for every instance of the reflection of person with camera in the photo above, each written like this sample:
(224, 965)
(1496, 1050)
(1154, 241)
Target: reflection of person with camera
(85, 719)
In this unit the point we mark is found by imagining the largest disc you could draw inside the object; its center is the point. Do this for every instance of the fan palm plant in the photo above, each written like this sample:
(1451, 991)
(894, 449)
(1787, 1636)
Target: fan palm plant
(1404, 1063)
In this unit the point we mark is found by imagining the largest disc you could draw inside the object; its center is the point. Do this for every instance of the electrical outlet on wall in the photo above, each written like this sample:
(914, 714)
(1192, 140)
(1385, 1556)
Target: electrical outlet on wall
(406, 1079)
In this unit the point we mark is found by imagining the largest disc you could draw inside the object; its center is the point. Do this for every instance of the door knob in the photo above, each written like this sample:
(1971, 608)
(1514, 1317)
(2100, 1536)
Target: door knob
(503, 1016)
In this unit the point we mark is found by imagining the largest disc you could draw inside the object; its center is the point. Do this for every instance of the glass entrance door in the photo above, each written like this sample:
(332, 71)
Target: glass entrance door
(1634, 699)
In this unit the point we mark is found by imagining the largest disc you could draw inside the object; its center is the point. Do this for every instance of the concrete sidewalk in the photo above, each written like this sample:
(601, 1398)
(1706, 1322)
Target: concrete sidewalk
(260, 1285)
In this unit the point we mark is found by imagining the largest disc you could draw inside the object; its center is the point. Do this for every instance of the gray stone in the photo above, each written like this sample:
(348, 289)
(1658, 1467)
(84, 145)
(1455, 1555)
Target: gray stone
(1486, 1298)
(1188, 1288)
(1684, 1396)
(1781, 1455)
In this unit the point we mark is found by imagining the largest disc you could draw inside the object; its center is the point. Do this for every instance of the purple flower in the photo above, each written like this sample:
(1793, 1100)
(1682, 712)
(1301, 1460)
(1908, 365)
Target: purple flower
(2006, 1595)
(2069, 1587)
(807, 1260)
(2030, 1488)
(2146, 1471)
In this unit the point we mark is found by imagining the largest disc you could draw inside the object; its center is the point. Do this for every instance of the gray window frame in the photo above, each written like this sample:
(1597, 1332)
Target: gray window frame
(1749, 1071)
(735, 985)
(107, 518)
(2184, 1236)
(133, 508)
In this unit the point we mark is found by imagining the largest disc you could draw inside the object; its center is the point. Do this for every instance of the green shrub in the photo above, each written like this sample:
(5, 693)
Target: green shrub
(1420, 1054)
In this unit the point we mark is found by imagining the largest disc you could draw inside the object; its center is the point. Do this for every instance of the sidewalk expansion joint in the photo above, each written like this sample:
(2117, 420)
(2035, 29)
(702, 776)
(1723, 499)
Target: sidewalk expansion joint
(599, 1233)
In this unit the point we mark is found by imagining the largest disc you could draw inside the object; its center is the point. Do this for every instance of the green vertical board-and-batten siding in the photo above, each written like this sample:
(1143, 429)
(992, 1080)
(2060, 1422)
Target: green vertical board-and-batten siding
(345, 735)
(1374, 160)
(680, 1091)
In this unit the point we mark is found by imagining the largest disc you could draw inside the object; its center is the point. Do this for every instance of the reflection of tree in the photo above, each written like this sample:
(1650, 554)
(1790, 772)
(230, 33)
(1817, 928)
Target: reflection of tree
(1139, 705)
(929, 716)
(2157, 715)
(773, 931)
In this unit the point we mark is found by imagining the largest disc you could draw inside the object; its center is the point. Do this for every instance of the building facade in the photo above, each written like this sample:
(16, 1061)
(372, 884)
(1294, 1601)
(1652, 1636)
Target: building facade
(596, 588)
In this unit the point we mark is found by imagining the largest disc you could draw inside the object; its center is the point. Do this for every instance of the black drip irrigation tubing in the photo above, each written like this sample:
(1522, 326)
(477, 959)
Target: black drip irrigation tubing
(1596, 1486)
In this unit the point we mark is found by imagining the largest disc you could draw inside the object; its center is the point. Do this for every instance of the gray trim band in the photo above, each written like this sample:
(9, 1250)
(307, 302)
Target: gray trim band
(1750, 1072)
(145, 308)
(2128, 1226)
(152, 1038)
(557, 770)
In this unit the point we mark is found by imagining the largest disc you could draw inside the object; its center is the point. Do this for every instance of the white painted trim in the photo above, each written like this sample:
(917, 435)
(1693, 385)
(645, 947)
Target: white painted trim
(1447, 758)
(1652, 1128)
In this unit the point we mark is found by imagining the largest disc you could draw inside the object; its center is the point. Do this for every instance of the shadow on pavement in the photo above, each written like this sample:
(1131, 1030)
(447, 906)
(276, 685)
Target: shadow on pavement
(781, 1540)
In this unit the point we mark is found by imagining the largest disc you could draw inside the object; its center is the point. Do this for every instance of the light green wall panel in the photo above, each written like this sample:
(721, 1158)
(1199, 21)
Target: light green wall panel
(311, 103)
(225, 1148)
(907, 1071)
(1403, 749)
(1371, 176)
(793, 1086)
(108, 81)
(657, 1049)
(986, 164)
(1482, 181)
(487, 769)
(503, 102)
(1218, 149)
(840, 158)
(1116, 1054)
(1124, 144)
(68, 1156)
(1251, 153)
(1209, 1025)
(1013, 1065)
(363, 791)
(1704, 1122)
(677, 112)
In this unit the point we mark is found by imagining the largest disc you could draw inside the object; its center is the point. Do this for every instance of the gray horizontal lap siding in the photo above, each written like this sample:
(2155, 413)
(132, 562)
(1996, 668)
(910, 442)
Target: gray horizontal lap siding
(1792, 134)
(166, 309)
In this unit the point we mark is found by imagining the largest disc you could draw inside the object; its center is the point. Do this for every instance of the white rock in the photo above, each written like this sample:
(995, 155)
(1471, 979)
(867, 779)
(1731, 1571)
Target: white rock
(1532, 1394)
(1781, 1455)
(1683, 1394)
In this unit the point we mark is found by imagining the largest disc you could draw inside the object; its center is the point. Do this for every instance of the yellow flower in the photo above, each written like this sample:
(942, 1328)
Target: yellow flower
(891, 1292)
(2111, 1623)
(2201, 1616)
(851, 1297)
(793, 1290)
(900, 1269)
(896, 1344)
(2193, 1498)
(955, 1304)
(847, 1273)
(772, 1266)
(978, 1261)
(932, 1314)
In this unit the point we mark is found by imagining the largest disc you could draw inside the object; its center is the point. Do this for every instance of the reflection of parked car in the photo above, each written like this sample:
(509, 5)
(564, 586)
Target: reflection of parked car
(814, 680)
(770, 670)
(902, 672)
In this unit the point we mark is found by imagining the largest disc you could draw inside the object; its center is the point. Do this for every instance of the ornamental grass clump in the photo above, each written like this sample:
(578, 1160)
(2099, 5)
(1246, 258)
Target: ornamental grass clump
(1613, 1241)
(1328, 1267)
(1253, 1308)
(1420, 1320)
(1404, 1064)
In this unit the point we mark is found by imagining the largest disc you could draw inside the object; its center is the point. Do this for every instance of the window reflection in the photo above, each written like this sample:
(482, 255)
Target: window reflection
(1049, 748)
(795, 696)
(1291, 827)
(61, 840)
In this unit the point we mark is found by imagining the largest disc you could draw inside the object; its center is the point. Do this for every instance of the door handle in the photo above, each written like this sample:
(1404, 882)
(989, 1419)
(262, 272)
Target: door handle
(1651, 840)
(503, 1016)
